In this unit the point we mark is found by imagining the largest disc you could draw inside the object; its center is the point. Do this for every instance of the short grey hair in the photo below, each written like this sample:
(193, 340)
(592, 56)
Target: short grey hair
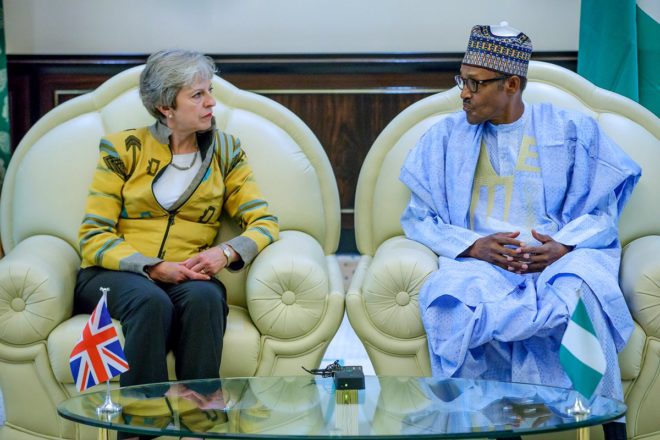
(167, 72)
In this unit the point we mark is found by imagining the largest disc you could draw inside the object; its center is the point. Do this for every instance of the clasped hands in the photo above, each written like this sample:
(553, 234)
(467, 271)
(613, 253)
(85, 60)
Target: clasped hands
(198, 267)
(504, 250)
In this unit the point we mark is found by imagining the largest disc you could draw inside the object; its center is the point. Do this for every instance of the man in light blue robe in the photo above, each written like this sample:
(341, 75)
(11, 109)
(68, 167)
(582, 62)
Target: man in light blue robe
(521, 204)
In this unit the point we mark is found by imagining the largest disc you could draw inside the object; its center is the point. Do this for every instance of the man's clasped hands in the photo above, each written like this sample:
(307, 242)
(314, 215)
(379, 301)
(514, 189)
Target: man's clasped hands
(503, 249)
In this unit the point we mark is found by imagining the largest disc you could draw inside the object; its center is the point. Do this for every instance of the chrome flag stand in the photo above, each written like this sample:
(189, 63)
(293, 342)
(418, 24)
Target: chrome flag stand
(108, 411)
(580, 411)
(108, 408)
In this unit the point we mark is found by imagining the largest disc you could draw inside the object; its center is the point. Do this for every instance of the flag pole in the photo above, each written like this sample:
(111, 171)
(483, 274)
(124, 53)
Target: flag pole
(109, 408)
(583, 360)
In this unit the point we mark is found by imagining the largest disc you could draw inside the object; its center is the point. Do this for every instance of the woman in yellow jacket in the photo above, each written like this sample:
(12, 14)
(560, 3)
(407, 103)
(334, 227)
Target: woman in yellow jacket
(152, 215)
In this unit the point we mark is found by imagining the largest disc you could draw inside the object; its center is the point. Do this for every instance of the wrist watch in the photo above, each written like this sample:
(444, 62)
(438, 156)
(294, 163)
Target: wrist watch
(227, 252)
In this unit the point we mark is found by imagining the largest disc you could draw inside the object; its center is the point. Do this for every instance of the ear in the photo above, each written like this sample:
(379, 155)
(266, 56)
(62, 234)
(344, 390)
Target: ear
(164, 110)
(512, 84)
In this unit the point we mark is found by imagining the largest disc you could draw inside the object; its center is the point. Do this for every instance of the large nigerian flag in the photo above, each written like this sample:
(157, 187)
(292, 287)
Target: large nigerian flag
(581, 354)
(620, 48)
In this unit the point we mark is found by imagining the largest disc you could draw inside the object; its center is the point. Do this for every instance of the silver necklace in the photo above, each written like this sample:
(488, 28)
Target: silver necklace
(185, 168)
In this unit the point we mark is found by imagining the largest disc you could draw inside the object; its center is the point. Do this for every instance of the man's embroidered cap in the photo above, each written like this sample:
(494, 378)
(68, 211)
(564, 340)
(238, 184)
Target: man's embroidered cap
(499, 48)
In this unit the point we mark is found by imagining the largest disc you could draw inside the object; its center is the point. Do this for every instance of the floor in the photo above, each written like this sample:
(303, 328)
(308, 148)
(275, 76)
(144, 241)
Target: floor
(345, 347)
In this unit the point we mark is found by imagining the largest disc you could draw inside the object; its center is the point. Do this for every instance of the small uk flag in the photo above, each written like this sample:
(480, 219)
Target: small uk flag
(98, 356)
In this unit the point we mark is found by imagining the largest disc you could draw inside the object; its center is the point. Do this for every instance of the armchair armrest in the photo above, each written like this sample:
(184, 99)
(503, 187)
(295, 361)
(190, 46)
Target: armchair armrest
(383, 309)
(640, 282)
(640, 360)
(293, 289)
(37, 278)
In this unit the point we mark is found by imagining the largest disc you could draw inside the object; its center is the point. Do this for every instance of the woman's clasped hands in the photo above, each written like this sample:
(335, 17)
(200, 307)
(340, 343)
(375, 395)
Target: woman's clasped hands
(201, 266)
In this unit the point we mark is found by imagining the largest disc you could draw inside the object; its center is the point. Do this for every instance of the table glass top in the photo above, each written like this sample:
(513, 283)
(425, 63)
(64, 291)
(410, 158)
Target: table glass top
(310, 407)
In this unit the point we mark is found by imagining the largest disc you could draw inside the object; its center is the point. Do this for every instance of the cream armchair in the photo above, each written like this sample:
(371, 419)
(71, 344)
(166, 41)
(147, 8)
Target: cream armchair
(382, 300)
(283, 310)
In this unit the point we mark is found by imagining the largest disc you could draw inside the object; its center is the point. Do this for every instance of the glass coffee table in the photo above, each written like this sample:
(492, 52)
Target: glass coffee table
(310, 407)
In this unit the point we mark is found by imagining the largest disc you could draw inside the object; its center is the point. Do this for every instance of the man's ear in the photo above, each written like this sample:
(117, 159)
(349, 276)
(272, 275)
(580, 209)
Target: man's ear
(512, 84)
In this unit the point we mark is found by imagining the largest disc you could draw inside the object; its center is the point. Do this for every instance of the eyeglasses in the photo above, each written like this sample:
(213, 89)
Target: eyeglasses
(473, 84)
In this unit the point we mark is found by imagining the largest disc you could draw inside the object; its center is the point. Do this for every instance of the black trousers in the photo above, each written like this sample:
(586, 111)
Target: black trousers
(188, 318)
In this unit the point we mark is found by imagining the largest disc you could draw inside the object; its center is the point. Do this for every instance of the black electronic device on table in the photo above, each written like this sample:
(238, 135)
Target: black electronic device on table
(349, 378)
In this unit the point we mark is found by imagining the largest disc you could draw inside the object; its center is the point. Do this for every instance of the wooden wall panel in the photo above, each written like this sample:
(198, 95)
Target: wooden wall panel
(19, 100)
(57, 88)
(346, 124)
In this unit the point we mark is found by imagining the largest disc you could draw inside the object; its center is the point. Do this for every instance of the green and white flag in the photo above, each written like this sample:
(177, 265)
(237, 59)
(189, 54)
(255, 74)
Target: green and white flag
(619, 48)
(581, 354)
(648, 53)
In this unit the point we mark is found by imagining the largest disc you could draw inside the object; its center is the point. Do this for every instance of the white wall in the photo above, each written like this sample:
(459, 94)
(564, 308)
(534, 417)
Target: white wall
(277, 26)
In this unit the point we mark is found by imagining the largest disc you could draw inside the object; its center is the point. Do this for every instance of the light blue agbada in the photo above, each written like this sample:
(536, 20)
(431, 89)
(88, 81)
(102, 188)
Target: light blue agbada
(554, 171)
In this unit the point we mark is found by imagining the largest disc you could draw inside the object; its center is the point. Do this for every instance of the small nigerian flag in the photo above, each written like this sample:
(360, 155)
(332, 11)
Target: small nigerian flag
(98, 356)
(581, 354)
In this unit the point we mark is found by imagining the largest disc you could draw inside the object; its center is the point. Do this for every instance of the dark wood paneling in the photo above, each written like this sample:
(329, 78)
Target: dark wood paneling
(346, 100)
(54, 89)
(19, 98)
(37, 83)
(346, 124)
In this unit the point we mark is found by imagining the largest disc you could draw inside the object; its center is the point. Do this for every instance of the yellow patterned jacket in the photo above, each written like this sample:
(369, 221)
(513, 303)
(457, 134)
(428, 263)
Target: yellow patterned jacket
(125, 228)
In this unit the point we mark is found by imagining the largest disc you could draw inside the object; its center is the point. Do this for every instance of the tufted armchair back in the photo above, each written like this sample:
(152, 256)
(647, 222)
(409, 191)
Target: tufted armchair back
(382, 299)
(284, 309)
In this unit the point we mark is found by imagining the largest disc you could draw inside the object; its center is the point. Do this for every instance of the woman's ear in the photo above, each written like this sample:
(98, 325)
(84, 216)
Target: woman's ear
(165, 110)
